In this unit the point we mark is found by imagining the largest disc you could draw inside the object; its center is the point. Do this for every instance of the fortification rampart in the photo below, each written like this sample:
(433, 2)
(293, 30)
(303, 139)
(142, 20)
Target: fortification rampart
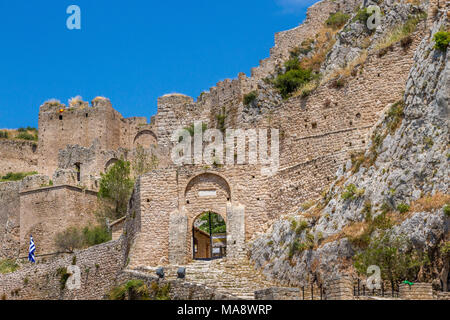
(99, 266)
(17, 156)
(48, 210)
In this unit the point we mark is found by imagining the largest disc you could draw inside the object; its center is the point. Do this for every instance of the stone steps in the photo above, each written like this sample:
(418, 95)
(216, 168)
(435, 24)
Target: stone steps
(234, 276)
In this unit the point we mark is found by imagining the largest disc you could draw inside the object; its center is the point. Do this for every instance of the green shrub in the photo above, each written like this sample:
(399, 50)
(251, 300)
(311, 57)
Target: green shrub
(292, 64)
(290, 81)
(303, 225)
(351, 192)
(337, 20)
(116, 186)
(442, 39)
(396, 257)
(446, 209)
(76, 238)
(395, 116)
(3, 134)
(362, 15)
(191, 129)
(8, 266)
(63, 276)
(27, 136)
(161, 293)
(137, 290)
(69, 240)
(445, 248)
(16, 176)
(96, 235)
(293, 224)
(403, 207)
(296, 247)
(118, 293)
(250, 97)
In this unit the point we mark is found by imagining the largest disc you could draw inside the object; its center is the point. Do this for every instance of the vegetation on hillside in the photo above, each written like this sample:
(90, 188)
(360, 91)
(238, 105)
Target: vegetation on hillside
(78, 238)
(136, 289)
(401, 33)
(115, 190)
(394, 255)
(441, 39)
(293, 78)
(144, 161)
(16, 176)
(8, 266)
(337, 20)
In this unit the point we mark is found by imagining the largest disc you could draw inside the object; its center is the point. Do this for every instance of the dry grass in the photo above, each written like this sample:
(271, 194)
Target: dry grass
(349, 70)
(325, 40)
(307, 204)
(400, 32)
(13, 133)
(306, 89)
(429, 203)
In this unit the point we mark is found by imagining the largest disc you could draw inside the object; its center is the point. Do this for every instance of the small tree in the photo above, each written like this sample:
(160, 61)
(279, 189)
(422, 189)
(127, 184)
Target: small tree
(394, 255)
(115, 189)
(144, 161)
(69, 240)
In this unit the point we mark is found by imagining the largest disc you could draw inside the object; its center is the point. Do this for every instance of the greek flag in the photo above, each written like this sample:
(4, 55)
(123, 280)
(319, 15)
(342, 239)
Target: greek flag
(31, 250)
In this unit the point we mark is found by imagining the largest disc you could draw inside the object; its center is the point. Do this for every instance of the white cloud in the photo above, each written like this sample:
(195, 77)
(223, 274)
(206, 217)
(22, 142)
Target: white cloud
(294, 6)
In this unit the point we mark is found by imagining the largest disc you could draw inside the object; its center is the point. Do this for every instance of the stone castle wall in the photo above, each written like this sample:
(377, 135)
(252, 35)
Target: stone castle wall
(101, 269)
(9, 219)
(85, 126)
(99, 266)
(320, 133)
(285, 41)
(46, 211)
(17, 156)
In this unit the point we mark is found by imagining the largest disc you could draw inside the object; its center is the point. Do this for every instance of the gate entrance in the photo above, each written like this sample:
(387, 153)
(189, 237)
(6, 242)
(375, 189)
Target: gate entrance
(209, 236)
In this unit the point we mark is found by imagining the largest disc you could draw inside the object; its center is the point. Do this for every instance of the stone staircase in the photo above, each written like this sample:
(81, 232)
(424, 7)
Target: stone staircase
(235, 277)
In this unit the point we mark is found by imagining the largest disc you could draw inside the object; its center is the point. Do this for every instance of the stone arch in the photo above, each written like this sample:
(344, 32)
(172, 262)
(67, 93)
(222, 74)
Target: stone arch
(110, 163)
(145, 138)
(207, 192)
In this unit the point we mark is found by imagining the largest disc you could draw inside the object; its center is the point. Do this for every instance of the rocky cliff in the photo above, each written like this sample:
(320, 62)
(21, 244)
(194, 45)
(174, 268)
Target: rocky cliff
(398, 184)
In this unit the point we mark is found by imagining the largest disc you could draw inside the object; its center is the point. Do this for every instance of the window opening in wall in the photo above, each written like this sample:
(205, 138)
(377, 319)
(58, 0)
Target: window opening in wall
(78, 171)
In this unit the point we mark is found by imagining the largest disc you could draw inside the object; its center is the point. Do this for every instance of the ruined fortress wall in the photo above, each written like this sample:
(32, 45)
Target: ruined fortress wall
(46, 211)
(9, 219)
(285, 41)
(17, 156)
(99, 266)
(101, 269)
(76, 125)
(321, 131)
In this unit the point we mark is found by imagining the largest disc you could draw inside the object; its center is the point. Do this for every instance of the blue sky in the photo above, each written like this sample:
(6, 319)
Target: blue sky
(130, 51)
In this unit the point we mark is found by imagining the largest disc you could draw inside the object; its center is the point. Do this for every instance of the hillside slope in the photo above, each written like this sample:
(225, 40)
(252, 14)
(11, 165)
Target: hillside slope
(402, 178)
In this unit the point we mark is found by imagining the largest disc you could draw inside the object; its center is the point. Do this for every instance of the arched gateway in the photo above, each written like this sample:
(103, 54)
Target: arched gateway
(161, 223)
(205, 193)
